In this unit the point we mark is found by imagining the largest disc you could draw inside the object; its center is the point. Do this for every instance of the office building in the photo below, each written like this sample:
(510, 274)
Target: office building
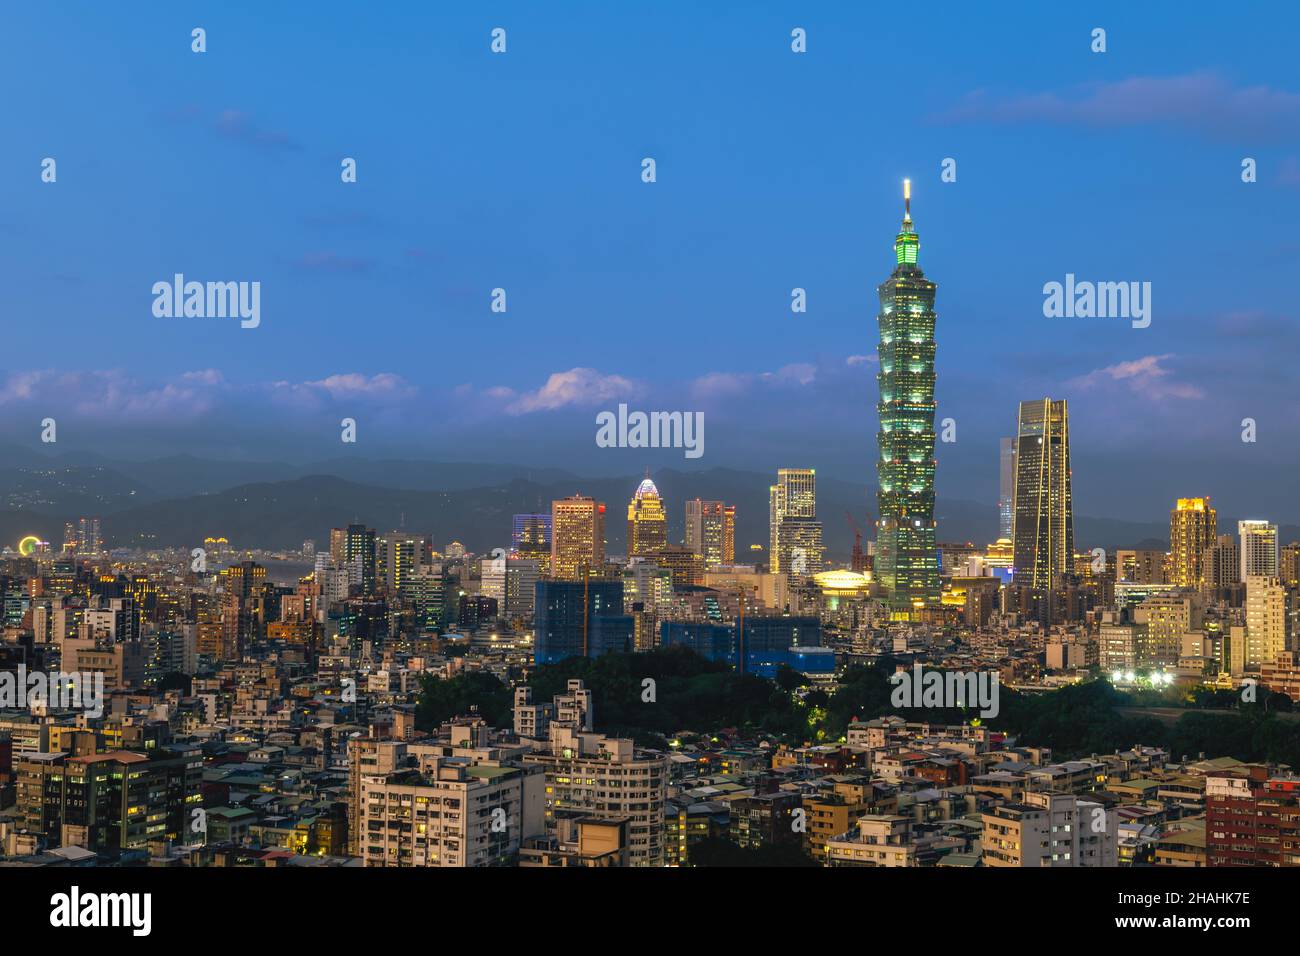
(795, 533)
(579, 619)
(1006, 487)
(577, 537)
(1259, 552)
(647, 522)
(530, 539)
(711, 531)
(907, 558)
(1044, 509)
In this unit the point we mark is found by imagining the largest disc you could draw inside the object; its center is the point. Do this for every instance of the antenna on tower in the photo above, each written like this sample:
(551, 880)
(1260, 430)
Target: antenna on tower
(907, 199)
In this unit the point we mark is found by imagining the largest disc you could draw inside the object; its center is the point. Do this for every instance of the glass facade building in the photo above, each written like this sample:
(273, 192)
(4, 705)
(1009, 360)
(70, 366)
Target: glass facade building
(907, 560)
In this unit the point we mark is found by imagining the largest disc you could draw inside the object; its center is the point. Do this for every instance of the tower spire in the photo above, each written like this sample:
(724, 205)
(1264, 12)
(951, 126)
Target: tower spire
(906, 243)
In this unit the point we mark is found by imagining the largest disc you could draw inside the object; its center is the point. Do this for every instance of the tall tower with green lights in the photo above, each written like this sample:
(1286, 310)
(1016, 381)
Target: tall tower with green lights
(907, 559)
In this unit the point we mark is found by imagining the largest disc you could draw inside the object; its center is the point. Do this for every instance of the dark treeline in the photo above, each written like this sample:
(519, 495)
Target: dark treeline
(692, 695)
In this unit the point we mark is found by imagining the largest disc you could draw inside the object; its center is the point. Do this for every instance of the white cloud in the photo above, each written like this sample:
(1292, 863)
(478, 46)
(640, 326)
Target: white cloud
(576, 387)
(1146, 377)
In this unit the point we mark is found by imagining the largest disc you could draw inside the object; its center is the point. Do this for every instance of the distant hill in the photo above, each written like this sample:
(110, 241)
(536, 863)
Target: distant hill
(180, 500)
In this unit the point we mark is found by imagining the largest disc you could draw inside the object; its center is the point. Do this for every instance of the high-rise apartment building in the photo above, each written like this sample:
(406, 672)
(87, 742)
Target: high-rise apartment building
(1049, 829)
(1192, 529)
(577, 537)
(1259, 554)
(1221, 564)
(1268, 623)
(397, 556)
(110, 802)
(355, 545)
(1044, 507)
(1252, 818)
(711, 531)
(440, 806)
(1163, 620)
(1289, 565)
(606, 778)
(647, 522)
(907, 557)
(82, 536)
(1140, 566)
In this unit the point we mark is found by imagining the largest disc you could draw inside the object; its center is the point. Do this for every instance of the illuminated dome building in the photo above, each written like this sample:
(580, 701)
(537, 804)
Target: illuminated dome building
(647, 523)
(844, 596)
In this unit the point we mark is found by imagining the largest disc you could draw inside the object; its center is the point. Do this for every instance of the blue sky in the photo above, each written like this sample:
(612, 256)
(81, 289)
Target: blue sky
(775, 170)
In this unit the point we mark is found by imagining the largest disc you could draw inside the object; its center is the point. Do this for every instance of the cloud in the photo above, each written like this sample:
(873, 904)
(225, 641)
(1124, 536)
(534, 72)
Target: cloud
(384, 386)
(576, 387)
(238, 126)
(862, 360)
(1205, 103)
(723, 384)
(207, 376)
(110, 394)
(1146, 377)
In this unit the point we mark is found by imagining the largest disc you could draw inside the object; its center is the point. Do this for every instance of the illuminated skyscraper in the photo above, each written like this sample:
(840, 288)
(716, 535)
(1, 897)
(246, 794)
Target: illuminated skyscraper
(1258, 549)
(397, 555)
(1268, 620)
(1006, 487)
(359, 549)
(1192, 529)
(577, 537)
(1221, 563)
(711, 531)
(647, 523)
(907, 560)
(796, 534)
(1289, 571)
(531, 539)
(1044, 506)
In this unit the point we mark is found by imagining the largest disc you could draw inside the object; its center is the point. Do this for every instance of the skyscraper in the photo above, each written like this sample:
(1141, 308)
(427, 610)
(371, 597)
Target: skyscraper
(1268, 621)
(397, 555)
(531, 538)
(711, 531)
(359, 549)
(1006, 487)
(907, 559)
(577, 537)
(647, 523)
(1192, 529)
(1258, 549)
(579, 619)
(1044, 507)
(796, 534)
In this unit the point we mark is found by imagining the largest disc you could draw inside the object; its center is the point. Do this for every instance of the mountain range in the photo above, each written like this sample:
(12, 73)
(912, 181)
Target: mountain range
(179, 500)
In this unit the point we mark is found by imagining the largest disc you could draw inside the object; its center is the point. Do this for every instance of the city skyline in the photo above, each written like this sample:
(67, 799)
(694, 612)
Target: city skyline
(356, 511)
(368, 294)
